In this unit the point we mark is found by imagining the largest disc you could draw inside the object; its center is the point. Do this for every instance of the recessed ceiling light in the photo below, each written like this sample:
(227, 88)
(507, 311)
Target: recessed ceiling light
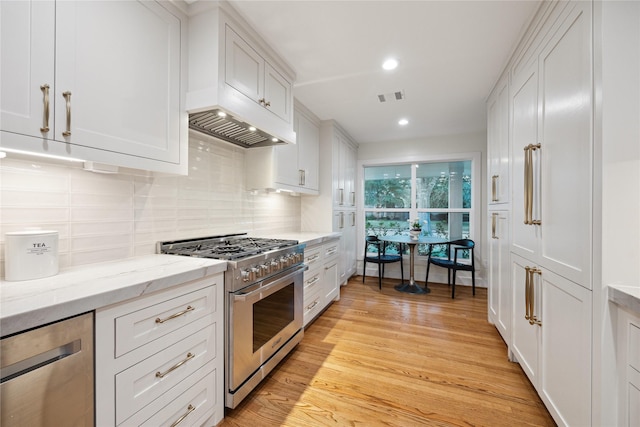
(274, 139)
(403, 122)
(252, 129)
(390, 64)
(222, 114)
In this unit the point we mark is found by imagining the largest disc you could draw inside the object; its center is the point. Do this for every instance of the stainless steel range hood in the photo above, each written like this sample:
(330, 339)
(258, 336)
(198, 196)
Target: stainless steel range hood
(222, 125)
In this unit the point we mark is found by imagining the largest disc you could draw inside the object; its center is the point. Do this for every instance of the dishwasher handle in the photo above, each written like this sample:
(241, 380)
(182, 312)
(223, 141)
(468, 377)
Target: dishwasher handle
(32, 363)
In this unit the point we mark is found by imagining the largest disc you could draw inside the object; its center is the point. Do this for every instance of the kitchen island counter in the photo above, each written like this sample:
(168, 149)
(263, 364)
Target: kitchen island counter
(626, 296)
(31, 303)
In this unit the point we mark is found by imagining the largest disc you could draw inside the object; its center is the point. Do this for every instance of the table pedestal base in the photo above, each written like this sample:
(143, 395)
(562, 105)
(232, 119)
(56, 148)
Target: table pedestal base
(411, 288)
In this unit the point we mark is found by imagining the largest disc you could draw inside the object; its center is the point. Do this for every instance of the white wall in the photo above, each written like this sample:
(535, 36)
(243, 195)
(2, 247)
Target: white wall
(110, 217)
(434, 147)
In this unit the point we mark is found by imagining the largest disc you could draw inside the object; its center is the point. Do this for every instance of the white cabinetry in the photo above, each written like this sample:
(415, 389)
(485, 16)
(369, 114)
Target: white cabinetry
(233, 69)
(321, 283)
(334, 209)
(252, 75)
(628, 354)
(500, 293)
(291, 167)
(72, 86)
(498, 142)
(160, 357)
(550, 147)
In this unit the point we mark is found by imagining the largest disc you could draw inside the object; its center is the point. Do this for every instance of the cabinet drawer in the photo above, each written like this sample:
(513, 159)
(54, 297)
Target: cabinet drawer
(634, 346)
(142, 383)
(312, 281)
(312, 303)
(331, 249)
(147, 324)
(313, 256)
(197, 390)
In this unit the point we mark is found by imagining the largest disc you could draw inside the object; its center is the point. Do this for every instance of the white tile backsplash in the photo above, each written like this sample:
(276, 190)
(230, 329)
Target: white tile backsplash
(103, 217)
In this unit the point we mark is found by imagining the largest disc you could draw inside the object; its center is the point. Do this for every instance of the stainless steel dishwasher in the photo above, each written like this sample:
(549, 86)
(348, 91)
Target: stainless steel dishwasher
(46, 375)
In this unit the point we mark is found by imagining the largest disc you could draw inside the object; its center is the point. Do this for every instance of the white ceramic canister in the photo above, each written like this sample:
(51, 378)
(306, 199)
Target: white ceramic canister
(30, 254)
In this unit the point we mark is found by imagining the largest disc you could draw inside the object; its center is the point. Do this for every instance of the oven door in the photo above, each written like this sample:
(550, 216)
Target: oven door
(262, 318)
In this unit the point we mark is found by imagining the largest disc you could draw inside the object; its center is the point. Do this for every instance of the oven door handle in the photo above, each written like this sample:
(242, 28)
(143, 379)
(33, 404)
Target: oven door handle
(269, 286)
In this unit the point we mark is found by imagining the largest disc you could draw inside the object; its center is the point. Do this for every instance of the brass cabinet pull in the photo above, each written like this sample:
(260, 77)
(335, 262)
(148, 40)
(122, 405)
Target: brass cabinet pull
(313, 304)
(494, 188)
(341, 219)
(67, 97)
(353, 198)
(313, 281)
(267, 104)
(45, 119)
(527, 294)
(528, 184)
(534, 319)
(261, 101)
(301, 177)
(353, 219)
(190, 409)
(341, 196)
(173, 316)
(494, 218)
(176, 366)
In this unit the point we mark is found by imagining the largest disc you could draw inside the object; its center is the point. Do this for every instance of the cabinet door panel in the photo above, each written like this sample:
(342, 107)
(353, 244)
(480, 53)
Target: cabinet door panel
(121, 63)
(524, 132)
(565, 128)
(308, 151)
(565, 379)
(244, 67)
(500, 293)
(277, 93)
(526, 337)
(26, 63)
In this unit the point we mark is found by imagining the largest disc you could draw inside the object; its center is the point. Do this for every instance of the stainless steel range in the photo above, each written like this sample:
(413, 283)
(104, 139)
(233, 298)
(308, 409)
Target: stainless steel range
(263, 308)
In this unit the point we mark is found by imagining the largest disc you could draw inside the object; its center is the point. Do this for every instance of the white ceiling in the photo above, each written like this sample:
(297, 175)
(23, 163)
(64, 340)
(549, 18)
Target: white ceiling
(450, 53)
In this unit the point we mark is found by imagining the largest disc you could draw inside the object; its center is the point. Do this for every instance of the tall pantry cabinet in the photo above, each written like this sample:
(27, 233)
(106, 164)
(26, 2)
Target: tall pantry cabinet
(335, 208)
(551, 155)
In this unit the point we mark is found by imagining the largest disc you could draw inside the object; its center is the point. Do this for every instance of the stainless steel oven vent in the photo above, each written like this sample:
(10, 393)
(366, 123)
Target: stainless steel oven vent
(221, 125)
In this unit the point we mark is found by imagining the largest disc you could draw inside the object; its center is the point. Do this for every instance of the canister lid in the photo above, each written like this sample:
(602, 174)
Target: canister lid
(30, 232)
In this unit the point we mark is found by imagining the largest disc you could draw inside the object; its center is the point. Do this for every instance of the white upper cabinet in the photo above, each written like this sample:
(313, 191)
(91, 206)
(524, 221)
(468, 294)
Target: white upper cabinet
(112, 97)
(291, 167)
(253, 76)
(231, 68)
(498, 142)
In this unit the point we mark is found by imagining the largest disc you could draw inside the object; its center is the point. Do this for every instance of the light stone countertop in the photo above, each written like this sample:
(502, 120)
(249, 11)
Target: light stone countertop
(626, 296)
(31, 303)
(309, 238)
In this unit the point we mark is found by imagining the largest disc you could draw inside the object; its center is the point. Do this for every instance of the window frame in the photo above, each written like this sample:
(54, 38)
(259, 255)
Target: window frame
(475, 212)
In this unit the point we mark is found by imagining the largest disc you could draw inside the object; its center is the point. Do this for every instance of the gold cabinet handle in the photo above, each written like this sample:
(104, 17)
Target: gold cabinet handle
(190, 409)
(341, 196)
(173, 316)
(313, 281)
(527, 294)
(341, 219)
(176, 366)
(267, 104)
(313, 304)
(353, 198)
(45, 119)
(300, 177)
(534, 319)
(527, 183)
(261, 101)
(353, 219)
(494, 218)
(531, 220)
(67, 97)
(494, 188)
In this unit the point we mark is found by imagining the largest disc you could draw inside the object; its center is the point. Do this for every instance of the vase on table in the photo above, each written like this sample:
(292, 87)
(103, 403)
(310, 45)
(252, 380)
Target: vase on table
(415, 234)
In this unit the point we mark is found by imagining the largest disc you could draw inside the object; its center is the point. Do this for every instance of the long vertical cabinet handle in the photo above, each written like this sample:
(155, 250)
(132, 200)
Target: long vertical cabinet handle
(494, 220)
(353, 219)
(67, 97)
(494, 188)
(341, 220)
(531, 220)
(45, 118)
(341, 190)
(527, 294)
(527, 183)
(534, 320)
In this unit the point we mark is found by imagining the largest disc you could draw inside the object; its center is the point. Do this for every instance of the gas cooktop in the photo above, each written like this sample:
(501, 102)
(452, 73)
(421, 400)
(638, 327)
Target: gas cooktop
(228, 247)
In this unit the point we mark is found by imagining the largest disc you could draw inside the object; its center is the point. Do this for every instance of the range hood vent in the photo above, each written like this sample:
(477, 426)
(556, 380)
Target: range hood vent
(221, 125)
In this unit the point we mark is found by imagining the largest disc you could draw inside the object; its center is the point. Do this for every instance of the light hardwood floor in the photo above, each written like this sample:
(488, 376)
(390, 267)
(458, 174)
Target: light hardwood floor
(384, 358)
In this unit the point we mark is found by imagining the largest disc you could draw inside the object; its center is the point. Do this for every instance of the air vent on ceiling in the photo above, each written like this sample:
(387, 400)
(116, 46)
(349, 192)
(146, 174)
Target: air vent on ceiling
(392, 96)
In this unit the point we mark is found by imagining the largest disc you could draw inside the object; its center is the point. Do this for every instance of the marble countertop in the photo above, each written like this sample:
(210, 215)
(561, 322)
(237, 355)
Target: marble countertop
(31, 303)
(307, 237)
(626, 296)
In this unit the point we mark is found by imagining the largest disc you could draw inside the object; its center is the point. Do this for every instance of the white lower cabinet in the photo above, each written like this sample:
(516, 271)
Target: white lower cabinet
(159, 358)
(321, 281)
(628, 361)
(552, 339)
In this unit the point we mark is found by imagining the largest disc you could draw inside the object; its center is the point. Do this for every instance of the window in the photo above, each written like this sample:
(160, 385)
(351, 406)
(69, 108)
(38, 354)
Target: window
(439, 194)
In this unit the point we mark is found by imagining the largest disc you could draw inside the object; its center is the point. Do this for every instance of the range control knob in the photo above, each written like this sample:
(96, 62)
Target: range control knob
(248, 275)
(275, 265)
(299, 257)
(256, 271)
(266, 268)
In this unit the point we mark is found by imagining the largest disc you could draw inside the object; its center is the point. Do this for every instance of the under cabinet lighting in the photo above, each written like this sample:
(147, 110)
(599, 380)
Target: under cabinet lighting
(46, 156)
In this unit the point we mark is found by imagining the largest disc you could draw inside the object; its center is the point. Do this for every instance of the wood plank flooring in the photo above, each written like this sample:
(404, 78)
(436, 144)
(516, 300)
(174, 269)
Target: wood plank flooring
(384, 358)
